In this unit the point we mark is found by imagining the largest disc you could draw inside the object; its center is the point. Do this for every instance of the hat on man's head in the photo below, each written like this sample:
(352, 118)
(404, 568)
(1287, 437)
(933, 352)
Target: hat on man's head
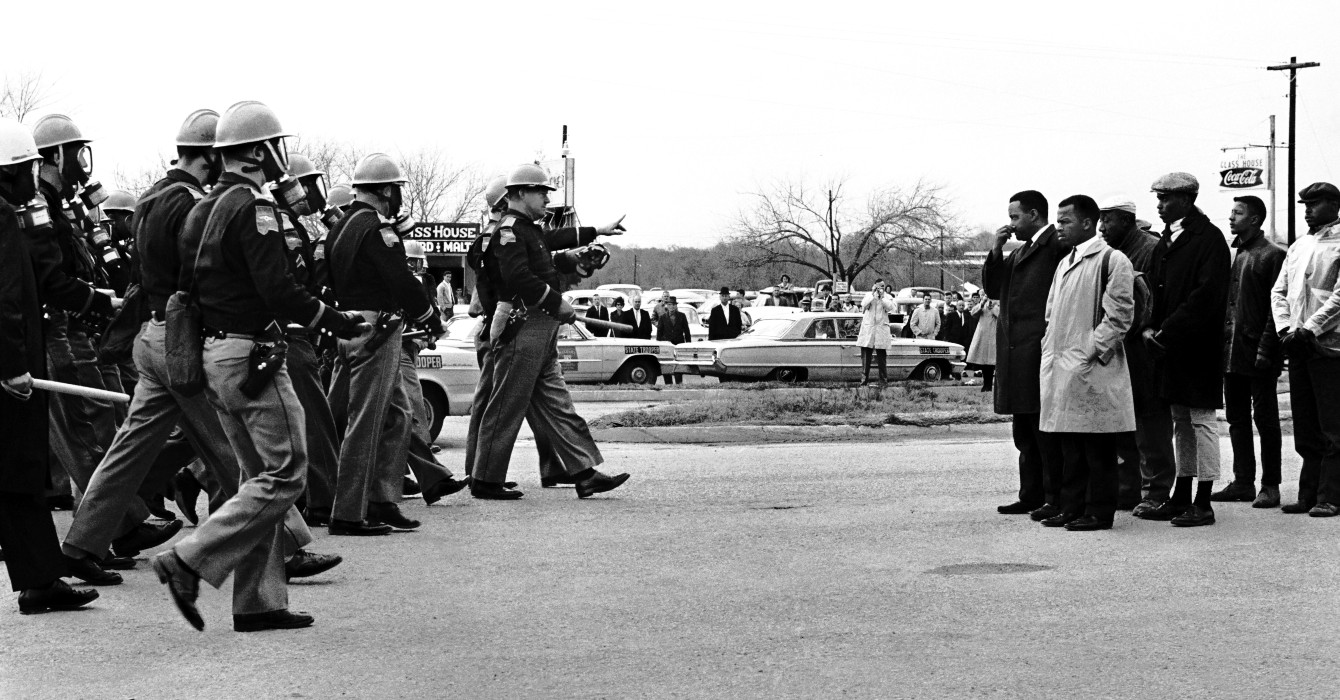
(1319, 191)
(1176, 183)
(1118, 203)
(725, 290)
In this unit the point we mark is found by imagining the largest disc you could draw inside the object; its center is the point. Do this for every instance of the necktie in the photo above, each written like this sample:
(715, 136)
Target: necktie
(1072, 256)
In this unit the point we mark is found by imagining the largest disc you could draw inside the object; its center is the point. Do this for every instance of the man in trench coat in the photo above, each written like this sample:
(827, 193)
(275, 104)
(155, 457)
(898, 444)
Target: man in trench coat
(1085, 383)
(1021, 282)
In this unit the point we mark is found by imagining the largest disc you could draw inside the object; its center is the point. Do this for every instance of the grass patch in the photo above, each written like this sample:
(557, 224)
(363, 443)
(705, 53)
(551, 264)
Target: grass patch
(906, 403)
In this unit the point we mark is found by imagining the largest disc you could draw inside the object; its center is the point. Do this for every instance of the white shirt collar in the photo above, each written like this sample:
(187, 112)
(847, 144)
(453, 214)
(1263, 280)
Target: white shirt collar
(1083, 249)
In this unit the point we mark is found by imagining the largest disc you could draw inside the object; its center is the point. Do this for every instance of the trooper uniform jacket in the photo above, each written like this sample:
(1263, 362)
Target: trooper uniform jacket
(24, 468)
(57, 279)
(368, 270)
(241, 277)
(301, 262)
(160, 215)
(519, 257)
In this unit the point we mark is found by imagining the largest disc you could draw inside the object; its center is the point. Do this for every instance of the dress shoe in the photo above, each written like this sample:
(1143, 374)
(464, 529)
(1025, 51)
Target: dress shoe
(63, 501)
(599, 483)
(183, 585)
(493, 492)
(1088, 523)
(1164, 511)
(442, 488)
(1145, 506)
(1324, 510)
(1299, 507)
(1194, 516)
(357, 528)
(1234, 492)
(186, 490)
(389, 513)
(273, 620)
(57, 596)
(304, 563)
(1018, 508)
(111, 562)
(158, 510)
(88, 571)
(1268, 498)
(1061, 519)
(410, 487)
(316, 517)
(508, 484)
(144, 536)
(549, 482)
(1046, 511)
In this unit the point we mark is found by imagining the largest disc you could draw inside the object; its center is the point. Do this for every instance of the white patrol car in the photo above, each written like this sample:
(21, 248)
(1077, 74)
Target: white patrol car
(583, 357)
(448, 376)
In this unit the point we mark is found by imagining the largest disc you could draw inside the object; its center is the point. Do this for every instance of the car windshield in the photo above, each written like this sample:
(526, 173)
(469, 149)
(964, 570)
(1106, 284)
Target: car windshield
(568, 331)
(462, 328)
(769, 328)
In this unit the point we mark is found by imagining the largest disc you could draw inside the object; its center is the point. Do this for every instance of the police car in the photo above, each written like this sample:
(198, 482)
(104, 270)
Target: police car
(583, 357)
(448, 376)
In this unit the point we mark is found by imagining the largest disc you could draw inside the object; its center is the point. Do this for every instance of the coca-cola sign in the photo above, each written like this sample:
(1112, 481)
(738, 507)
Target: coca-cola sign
(1241, 178)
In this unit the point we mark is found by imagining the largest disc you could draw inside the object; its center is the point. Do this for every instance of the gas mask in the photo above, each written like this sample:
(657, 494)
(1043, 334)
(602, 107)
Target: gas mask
(314, 187)
(273, 164)
(215, 168)
(76, 165)
(34, 216)
(290, 194)
(19, 182)
(119, 225)
(404, 223)
(331, 216)
(93, 194)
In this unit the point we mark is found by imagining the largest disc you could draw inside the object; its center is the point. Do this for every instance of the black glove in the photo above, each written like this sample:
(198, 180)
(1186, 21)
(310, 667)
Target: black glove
(1298, 343)
(350, 325)
(434, 326)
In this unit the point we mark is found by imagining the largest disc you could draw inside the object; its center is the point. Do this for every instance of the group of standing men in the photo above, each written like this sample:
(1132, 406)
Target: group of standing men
(276, 323)
(1116, 346)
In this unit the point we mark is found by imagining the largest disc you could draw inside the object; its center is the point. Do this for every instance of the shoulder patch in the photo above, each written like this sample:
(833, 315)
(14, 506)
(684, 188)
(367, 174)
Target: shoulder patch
(506, 236)
(265, 219)
(507, 221)
(389, 237)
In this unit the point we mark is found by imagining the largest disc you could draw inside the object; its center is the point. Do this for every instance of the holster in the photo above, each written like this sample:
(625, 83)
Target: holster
(506, 321)
(386, 324)
(265, 361)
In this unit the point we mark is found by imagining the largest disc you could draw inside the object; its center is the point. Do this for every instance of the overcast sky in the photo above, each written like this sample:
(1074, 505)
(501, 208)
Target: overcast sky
(677, 111)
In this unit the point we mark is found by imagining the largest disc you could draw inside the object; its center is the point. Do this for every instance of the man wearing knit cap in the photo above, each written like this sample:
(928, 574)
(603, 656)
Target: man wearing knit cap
(1306, 303)
(1252, 357)
(1189, 284)
(1145, 457)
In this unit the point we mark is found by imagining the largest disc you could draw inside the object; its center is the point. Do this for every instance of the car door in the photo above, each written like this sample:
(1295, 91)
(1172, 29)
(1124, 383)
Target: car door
(578, 355)
(849, 329)
(820, 351)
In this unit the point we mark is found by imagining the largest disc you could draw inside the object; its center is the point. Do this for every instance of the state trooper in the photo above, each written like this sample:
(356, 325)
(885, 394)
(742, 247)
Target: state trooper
(235, 264)
(119, 252)
(81, 428)
(369, 275)
(527, 381)
(304, 369)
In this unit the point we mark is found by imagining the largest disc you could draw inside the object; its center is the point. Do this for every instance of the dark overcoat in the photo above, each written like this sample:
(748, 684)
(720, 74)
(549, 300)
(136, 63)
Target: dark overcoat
(1021, 282)
(23, 424)
(1249, 325)
(1189, 282)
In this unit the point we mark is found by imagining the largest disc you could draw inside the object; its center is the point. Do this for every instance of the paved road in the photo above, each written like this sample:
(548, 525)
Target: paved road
(819, 570)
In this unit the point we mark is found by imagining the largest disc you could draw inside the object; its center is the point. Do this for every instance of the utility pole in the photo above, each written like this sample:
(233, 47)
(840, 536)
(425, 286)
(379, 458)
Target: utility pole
(634, 268)
(1293, 66)
(1270, 170)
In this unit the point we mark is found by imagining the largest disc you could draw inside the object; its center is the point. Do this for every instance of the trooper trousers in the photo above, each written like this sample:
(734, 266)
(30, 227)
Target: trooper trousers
(110, 506)
(371, 397)
(246, 535)
(527, 383)
(323, 451)
(81, 429)
(427, 470)
(551, 467)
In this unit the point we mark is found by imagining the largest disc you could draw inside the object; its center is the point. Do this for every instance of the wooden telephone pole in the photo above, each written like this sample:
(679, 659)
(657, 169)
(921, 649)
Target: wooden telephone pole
(1293, 66)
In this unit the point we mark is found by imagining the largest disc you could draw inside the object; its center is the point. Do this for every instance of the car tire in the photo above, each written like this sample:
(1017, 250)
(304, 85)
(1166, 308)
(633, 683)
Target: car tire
(787, 375)
(930, 371)
(436, 403)
(638, 372)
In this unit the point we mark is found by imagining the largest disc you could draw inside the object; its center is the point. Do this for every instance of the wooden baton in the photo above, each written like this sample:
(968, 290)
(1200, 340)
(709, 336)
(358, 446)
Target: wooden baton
(606, 325)
(84, 391)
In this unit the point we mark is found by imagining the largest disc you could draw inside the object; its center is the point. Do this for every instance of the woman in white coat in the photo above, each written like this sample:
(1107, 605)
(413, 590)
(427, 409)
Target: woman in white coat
(982, 351)
(875, 337)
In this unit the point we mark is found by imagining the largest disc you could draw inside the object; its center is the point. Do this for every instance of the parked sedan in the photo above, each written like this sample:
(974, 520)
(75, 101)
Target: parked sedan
(813, 347)
(583, 357)
(448, 376)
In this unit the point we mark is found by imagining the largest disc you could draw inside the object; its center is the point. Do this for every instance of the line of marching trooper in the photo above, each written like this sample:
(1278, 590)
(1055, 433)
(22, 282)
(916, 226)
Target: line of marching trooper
(284, 359)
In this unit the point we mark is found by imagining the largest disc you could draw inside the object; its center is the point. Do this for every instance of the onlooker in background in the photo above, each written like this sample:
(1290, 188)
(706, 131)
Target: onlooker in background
(740, 299)
(1306, 301)
(673, 327)
(1145, 460)
(951, 323)
(1189, 283)
(982, 352)
(446, 298)
(724, 321)
(597, 310)
(969, 320)
(785, 292)
(1021, 282)
(925, 320)
(834, 303)
(617, 315)
(1252, 358)
(1086, 389)
(639, 319)
(874, 338)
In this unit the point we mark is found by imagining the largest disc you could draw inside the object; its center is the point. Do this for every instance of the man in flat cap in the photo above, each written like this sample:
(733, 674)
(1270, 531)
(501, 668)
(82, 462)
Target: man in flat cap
(1306, 303)
(1189, 283)
(1145, 457)
(1252, 358)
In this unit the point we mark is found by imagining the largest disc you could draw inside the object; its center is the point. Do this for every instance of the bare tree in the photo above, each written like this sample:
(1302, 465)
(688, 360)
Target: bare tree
(821, 230)
(335, 158)
(438, 189)
(23, 94)
(137, 181)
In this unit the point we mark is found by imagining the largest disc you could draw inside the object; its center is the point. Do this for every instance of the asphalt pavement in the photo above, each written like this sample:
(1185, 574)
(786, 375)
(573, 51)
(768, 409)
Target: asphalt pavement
(853, 569)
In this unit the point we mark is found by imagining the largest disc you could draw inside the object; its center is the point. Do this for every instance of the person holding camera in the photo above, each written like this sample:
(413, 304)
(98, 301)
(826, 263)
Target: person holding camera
(874, 337)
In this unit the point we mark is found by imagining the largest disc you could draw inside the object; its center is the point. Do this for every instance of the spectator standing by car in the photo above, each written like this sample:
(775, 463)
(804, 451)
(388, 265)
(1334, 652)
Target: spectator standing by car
(951, 323)
(969, 320)
(982, 351)
(639, 319)
(598, 311)
(445, 297)
(874, 338)
(617, 314)
(925, 320)
(1252, 358)
(785, 292)
(724, 321)
(673, 327)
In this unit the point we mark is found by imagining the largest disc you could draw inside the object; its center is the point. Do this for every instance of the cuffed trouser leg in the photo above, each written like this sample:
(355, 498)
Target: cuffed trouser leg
(268, 435)
(552, 414)
(1196, 441)
(323, 454)
(374, 380)
(28, 538)
(419, 453)
(551, 467)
